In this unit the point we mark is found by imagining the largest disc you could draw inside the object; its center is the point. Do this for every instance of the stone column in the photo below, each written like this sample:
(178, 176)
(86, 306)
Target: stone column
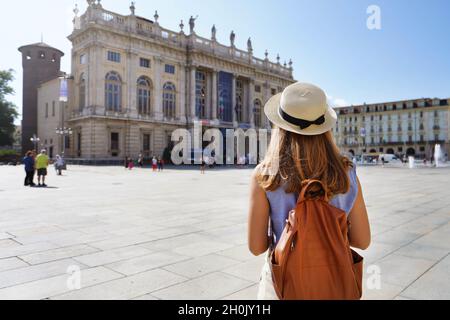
(251, 97)
(233, 101)
(99, 76)
(192, 93)
(181, 101)
(95, 84)
(214, 95)
(132, 84)
(208, 99)
(158, 92)
(265, 123)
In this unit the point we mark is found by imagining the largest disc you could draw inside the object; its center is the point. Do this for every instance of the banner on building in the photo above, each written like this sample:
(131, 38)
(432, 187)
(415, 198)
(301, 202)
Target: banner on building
(63, 91)
(362, 132)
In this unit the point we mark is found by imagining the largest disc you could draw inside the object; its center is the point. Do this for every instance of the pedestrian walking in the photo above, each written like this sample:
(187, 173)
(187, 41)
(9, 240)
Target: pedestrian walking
(140, 161)
(42, 162)
(130, 164)
(161, 165)
(154, 164)
(28, 161)
(202, 166)
(59, 165)
(306, 193)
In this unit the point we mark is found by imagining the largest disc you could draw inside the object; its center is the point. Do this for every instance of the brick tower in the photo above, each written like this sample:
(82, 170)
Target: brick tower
(40, 63)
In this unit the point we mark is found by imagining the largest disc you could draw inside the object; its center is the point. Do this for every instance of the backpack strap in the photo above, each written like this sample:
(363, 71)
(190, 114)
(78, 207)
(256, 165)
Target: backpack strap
(307, 184)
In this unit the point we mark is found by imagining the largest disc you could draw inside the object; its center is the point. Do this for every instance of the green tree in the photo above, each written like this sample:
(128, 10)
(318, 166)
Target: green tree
(8, 112)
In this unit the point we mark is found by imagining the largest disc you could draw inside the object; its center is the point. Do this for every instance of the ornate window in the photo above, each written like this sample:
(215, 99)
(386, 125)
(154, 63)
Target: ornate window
(83, 58)
(114, 56)
(200, 94)
(144, 63)
(257, 112)
(82, 92)
(146, 144)
(169, 100)
(113, 91)
(144, 95)
(239, 101)
(114, 144)
(169, 69)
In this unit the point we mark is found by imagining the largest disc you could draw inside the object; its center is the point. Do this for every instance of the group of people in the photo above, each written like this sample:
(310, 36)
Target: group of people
(39, 163)
(156, 163)
(36, 163)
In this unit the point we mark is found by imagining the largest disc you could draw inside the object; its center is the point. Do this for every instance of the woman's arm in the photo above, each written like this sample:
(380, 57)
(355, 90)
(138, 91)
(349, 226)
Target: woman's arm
(258, 219)
(359, 232)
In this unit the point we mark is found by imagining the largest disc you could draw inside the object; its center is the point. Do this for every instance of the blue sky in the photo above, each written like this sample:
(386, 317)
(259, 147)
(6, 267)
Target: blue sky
(328, 40)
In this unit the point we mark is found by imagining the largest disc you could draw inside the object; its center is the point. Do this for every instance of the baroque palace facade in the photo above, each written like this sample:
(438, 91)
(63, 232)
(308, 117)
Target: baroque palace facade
(409, 127)
(134, 82)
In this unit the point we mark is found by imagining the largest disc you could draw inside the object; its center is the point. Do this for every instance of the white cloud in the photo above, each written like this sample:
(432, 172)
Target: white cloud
(337, 102)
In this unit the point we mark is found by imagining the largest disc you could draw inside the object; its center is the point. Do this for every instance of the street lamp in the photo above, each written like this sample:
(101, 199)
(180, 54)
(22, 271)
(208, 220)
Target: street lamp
(64, 132)
(35, 140)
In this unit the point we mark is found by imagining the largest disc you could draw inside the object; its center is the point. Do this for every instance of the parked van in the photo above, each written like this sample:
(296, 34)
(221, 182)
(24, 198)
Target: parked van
(389, 158)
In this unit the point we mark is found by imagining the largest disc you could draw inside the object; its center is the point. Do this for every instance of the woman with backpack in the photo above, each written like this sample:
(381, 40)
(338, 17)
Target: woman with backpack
(308, 196)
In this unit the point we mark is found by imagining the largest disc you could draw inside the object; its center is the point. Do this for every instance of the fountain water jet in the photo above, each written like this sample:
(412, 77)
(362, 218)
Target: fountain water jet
(437, 154)
(411, 162)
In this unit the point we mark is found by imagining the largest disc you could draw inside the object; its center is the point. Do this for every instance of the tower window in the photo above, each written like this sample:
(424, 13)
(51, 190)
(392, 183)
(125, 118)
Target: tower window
(169, 100)
(144, 63)
(114, 56)
(113, 92)
(83, 59)
(114, 144)
(170, 69)
(41, 54)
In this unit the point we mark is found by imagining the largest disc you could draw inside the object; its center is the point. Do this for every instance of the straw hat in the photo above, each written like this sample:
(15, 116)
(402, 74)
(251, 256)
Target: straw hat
(301, 108)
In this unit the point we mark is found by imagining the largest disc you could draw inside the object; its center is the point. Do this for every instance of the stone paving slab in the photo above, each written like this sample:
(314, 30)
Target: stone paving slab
(57, 254)
(182, 235)
(111, 256)
(8, 243)
(197, 267)
(126, 288)
(145, 263)
(48, 287)
(432, 285)
(212, 286)
(32, 273)
(11, 263)
(19, 250)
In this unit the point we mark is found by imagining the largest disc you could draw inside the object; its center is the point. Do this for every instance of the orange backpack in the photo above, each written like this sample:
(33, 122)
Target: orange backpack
(313, 259)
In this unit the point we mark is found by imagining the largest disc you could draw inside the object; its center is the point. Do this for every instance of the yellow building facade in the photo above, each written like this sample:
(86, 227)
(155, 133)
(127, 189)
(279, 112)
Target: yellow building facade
(408, 127)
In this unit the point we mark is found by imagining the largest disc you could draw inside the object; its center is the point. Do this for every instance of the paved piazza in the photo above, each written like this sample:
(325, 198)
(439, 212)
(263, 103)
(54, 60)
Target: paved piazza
(182, 235)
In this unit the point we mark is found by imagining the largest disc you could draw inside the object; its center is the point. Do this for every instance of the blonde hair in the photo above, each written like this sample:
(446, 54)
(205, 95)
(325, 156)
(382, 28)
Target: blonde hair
(297, 158)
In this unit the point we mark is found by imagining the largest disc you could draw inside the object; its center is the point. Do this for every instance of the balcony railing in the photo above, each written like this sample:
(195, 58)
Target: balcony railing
(146, 28)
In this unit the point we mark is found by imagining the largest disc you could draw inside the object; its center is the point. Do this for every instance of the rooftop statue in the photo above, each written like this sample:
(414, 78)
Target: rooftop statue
(232, 38)
(213, 33)
(192, 23)
(249, 45)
